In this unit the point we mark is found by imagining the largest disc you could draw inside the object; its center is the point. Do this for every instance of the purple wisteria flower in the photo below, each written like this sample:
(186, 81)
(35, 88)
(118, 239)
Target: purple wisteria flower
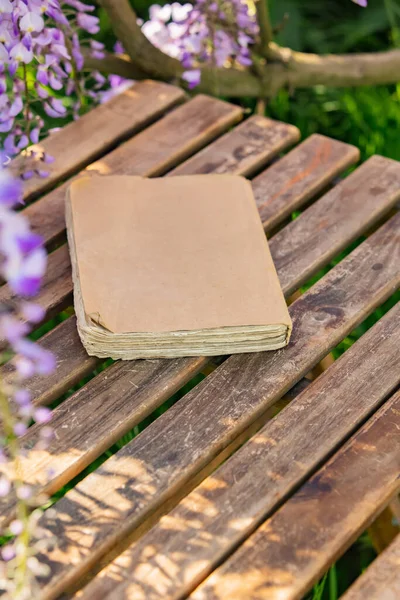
(218, 33)
(40, 50)
(22, 266)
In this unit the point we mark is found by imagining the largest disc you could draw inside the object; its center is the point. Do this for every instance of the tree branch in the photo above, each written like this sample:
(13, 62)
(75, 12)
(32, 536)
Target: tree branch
(264, 23)
(146, 57)
(299, 69)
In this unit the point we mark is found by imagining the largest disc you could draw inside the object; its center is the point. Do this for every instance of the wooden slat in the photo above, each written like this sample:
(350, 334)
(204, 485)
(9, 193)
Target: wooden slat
(155, 466)
(257, 137)
(83, 141)
(381, 581)
(290, 551)
(198, 534)
(344, 213)
(300, 175)
(150, 153)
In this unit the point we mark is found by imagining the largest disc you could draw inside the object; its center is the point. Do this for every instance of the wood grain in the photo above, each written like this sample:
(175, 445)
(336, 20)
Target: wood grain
(290, 551)
(71, 368)
(208, 524)
(156, 465)
(101, 129)
(381, 581)
(97, 415)
(150, 153)
(247, 148)
(300, 175)
(336, 219)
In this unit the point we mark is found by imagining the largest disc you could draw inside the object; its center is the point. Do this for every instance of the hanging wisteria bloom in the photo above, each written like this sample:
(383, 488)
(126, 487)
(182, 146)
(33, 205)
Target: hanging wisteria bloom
(41, 63)
(22, 266)
(219, 33)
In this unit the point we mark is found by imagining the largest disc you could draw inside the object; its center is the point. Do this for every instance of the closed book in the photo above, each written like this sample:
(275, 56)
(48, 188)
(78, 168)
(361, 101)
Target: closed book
(168, 267)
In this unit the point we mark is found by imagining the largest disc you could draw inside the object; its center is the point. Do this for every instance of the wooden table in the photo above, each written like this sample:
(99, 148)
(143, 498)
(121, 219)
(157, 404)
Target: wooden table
(167, 516)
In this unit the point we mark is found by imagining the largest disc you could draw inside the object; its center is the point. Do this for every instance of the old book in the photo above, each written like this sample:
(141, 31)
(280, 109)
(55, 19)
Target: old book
(170, 267)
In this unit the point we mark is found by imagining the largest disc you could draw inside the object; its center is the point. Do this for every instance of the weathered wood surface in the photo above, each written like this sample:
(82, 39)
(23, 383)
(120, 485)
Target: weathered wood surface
(292, 549)
(300, 175)
(137, 486)
(79, 143)
(336, 219)
(381, 581)
(98, 398)
(258, 137)
(152, 152)
(98, 395)
(218, 515)
(98, 415)
(139, 479)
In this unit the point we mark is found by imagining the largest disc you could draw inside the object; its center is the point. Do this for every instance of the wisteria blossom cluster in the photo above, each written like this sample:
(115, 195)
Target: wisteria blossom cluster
(22, 266)
(41, 61)
(215, 32)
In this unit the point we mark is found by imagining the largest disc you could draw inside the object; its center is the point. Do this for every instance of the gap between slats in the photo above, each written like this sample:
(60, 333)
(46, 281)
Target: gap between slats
(381, 581)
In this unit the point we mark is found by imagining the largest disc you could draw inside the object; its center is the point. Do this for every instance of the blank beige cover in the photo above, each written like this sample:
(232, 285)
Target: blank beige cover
(172, 254)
